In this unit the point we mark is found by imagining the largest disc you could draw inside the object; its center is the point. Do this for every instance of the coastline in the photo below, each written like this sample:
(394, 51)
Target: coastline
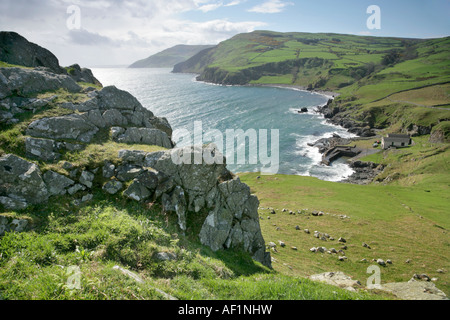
(328, 94)
(355, 177)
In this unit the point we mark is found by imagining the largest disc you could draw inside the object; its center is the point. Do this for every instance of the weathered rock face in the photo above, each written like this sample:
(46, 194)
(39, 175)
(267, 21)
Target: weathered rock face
(25, 82)
(15, 49)
(21, 183)
(73, 127)
(231, 211)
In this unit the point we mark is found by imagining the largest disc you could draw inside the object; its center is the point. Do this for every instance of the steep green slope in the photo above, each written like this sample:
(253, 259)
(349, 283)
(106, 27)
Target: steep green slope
(169, 57)
(382, 82)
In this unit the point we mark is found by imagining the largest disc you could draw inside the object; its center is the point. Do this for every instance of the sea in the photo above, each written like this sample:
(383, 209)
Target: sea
(268, 113)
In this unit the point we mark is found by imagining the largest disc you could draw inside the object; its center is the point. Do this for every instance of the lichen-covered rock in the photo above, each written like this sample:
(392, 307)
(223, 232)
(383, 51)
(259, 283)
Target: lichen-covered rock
(21, 182)
(42, 149)
(25, 82)
(144, 136)
(72, 126)
(57, 184)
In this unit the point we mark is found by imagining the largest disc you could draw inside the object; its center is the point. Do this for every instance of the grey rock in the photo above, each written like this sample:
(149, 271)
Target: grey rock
(338, 279)
(145, 136)
(113, 186)
(82, 75)
(42, 149)
(57, 184)
(112, 98)
(109, 170)
(8, 224)
(87, 178)
(128, 172)
(176, 202)
(21, 181)
(415, 290)
(72, 126)
(87, 198)
(132, 156)
(74, 189)
(113, 117)
(136, 191)
(26, 82)
(165, 256)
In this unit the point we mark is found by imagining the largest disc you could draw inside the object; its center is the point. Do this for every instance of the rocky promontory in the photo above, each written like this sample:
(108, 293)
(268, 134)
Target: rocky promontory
(55, 113)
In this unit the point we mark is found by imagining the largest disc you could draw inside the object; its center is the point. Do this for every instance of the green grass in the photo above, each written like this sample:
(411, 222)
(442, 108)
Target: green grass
(399, 223)
(111, 230)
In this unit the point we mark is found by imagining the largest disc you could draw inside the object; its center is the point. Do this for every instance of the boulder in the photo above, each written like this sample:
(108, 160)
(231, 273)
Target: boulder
(415, 290)
(82, 74)
(113, 186)
(137, 191)
(57, 184)
(42, 149)
(87, 178)
(21, 182)
(338, 279)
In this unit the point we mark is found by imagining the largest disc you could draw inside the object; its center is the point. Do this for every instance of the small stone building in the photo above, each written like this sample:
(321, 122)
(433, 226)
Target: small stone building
(396, 141)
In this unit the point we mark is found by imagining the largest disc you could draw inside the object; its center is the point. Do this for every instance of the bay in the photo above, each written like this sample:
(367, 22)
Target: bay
(184, 101)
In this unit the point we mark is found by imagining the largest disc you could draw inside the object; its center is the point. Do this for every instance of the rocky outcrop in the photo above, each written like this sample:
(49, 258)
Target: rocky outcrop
(209, 189)
(365, 172)
(335, 115)
(15, 49)
(111, 108)
(82, 74)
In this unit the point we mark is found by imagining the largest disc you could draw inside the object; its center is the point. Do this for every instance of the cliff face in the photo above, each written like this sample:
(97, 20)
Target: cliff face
(54, 117)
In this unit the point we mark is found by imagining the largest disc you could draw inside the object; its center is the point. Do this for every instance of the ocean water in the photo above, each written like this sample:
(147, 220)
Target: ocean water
(186, 102)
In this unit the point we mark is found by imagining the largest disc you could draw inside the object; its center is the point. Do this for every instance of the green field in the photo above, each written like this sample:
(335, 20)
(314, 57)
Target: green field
(398, 223)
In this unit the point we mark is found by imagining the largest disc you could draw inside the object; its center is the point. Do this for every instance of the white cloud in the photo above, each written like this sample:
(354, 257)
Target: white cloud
(117, 32)
(270, 6)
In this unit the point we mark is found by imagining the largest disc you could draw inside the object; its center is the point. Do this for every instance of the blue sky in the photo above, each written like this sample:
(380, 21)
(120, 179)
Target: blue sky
(400, 18)
(119, 32)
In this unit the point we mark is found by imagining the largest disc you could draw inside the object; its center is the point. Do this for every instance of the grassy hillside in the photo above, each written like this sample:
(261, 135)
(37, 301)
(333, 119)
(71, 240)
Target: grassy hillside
(169, 57)
(398, 223)
(375, 77)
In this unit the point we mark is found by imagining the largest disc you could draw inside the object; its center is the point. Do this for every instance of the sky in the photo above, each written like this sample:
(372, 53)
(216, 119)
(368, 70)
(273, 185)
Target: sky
(119, 32)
